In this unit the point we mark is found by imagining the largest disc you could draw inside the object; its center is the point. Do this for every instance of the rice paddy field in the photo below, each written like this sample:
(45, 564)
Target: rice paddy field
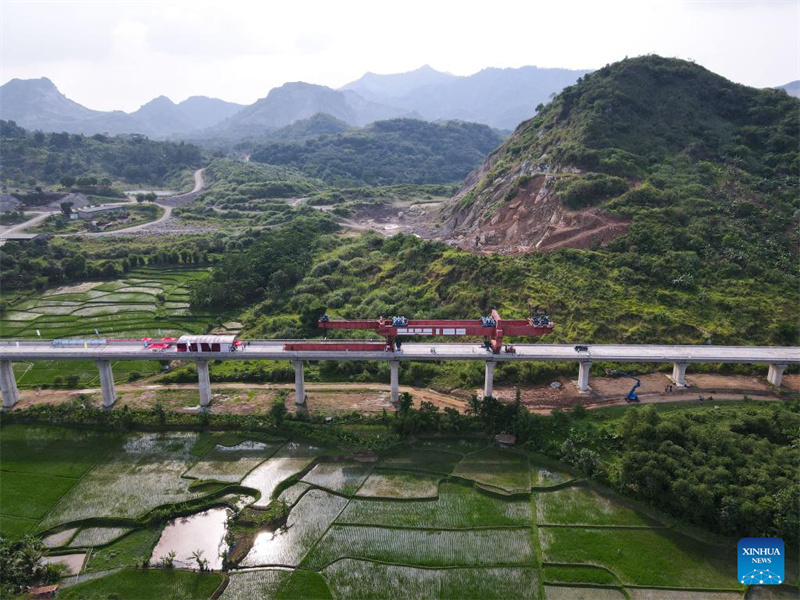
(146, 302)
(440, 519)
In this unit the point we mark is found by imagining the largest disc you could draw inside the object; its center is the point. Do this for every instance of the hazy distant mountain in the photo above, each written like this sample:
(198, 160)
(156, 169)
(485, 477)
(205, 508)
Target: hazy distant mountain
(500, 98)
(296, 101)
(162, 115)
(37, 104)
(380, 87)
(792, 88)
(202, 111)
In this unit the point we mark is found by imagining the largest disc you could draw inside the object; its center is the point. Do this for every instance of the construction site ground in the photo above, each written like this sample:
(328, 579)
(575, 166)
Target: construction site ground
(372, 398)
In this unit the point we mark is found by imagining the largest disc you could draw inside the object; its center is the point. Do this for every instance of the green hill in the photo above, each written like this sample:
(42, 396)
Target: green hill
(694, 162)
(685, 183)
(31, 158)
(388, 152)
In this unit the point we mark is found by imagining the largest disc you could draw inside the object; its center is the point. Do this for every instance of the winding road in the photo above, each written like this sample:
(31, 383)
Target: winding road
(167, 204)
(199, 184)
(21, 227)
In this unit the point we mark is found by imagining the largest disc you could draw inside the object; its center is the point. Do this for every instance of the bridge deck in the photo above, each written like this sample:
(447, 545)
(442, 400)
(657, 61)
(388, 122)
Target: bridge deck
(273, 350)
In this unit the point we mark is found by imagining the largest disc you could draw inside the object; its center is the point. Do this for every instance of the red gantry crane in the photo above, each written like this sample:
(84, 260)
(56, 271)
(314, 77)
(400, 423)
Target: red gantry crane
(493, 328)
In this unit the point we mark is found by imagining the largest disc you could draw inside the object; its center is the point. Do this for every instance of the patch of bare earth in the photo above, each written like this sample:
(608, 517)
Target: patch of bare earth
(792, 382)
(330, 399)
(533, 219)
(371, 398)
(396, 218)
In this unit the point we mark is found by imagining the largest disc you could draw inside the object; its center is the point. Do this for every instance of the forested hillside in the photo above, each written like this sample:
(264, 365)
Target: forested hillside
(31, 158)
(388, 152)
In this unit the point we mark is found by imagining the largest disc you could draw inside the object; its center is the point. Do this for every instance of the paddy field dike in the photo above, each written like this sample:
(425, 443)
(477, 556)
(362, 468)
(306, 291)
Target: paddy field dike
(281, 518)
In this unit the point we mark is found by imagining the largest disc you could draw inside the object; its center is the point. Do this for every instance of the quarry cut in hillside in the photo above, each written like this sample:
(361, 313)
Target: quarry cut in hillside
(522, 213)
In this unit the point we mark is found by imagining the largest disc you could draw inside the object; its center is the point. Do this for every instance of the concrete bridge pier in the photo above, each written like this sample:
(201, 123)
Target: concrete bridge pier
(488, 379)
(299, 383)
(8, 385)
(107, 383)
(775, 374)
(583, 376)
(679, 374)
(394, 367)
(204, 379)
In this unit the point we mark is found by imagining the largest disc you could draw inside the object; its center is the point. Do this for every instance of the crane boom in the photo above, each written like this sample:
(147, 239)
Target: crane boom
(493, 327)
(631, 397)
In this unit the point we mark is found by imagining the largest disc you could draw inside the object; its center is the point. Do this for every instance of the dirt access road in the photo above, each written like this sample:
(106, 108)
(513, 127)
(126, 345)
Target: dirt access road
(166, 204)
(21, 227)
(373, 398)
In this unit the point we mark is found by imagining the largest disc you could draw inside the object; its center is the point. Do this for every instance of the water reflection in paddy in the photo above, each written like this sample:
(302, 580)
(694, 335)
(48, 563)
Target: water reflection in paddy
(203, 531)
(268, 548)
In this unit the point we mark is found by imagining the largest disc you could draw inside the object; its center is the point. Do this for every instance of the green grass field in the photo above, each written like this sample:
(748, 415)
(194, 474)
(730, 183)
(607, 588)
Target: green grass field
(151, 583)
(499, 469)
(402, 528)
(647, 557)
(582, 505)
(38, 466)
(458, 506)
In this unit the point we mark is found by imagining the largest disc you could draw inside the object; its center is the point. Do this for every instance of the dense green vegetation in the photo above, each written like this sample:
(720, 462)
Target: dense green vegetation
(589, 298)
(315, 126)
(21, 566)
(46, 263)
(388, 152)
(275, 260)
(31, 157)
(234, 184)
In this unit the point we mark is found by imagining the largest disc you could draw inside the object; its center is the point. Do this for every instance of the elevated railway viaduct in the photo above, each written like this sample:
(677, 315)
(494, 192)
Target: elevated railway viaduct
(778, 359)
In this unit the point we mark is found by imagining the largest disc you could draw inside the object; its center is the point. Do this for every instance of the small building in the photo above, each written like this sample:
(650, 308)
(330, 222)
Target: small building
(22, 237)
(506, 440)
(92, 212)
(207, 343)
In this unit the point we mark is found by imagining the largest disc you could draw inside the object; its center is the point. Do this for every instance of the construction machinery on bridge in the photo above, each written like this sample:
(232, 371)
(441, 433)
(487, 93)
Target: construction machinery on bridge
(492, 328)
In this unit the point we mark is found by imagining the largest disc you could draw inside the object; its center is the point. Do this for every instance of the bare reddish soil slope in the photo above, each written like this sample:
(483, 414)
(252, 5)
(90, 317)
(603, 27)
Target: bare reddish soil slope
(533, 219)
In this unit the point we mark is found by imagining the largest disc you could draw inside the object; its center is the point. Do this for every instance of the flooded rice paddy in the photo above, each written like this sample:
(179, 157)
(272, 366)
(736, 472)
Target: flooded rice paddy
(439, 519)
(200, 535)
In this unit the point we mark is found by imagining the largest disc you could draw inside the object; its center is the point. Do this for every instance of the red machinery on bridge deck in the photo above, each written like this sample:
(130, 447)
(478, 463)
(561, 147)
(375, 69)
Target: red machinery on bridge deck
(492, 328)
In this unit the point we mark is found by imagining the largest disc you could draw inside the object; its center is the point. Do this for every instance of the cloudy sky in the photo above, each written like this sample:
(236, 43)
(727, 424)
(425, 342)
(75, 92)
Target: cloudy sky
(120, 54)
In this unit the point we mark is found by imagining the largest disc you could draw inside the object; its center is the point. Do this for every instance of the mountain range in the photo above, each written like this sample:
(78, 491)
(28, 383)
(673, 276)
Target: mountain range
(38, 104)
(500, 98)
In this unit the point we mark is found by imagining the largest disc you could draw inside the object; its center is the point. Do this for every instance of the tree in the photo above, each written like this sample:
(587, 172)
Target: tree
(21, 565)
(66, 208)
(202, 563)
(278, 412)
(68, 181)
(406, 401)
